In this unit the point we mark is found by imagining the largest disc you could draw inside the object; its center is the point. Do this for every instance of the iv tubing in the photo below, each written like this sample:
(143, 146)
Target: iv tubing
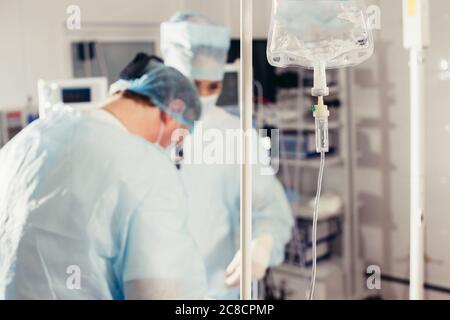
(314, 232)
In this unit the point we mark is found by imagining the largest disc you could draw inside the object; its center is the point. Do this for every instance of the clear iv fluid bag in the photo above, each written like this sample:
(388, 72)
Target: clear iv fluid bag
(307, 32)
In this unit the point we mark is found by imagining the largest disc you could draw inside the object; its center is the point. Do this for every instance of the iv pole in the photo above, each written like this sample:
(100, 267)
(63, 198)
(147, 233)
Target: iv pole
(246, 104)
(416, 39)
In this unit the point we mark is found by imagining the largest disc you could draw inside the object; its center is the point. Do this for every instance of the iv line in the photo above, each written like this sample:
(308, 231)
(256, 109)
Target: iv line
(321, 115)
(314, 232)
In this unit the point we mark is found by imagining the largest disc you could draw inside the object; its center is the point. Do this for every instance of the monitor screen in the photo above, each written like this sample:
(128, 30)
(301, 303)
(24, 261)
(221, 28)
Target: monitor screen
(76, 95)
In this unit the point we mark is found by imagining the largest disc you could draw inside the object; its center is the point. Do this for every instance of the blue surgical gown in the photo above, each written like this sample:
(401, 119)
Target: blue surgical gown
(214, 203)
(94, 202)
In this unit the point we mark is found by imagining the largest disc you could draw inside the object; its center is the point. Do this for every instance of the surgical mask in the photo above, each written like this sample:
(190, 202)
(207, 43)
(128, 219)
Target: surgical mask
(208, 103)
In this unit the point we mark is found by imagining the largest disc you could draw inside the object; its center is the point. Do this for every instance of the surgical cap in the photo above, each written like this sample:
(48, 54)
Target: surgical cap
(165, 87)
(195, 46)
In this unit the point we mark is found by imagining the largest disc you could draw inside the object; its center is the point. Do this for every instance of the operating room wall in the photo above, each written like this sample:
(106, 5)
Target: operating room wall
(380, 100)
(35, 39)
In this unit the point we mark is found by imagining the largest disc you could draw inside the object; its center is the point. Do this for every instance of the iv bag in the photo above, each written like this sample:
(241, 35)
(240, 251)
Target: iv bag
(310, 32)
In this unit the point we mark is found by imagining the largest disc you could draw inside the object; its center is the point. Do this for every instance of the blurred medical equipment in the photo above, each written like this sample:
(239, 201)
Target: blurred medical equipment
(299, 249)
(289, 282)
(319, 35)
(80, 93)
(104, 56)
(11, 123)
(167, 88)
(331, 205)
(13, 120)
(416, 37)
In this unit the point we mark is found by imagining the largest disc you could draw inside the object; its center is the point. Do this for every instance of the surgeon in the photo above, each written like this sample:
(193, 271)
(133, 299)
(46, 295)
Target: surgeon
(91, 206)
(198, 48)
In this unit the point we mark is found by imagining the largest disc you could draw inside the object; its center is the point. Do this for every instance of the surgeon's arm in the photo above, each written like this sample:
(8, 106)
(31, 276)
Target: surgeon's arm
(272, 223)
(161, 260)
(272, 226)
(272, 215)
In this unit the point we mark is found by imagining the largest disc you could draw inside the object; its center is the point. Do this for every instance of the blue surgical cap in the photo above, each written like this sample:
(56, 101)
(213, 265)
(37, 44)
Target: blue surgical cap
(196, 46)
(168, 89)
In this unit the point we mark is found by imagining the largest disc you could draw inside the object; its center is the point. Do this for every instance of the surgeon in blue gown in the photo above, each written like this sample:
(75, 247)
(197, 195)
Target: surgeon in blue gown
(198, 48)
(91, 207)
